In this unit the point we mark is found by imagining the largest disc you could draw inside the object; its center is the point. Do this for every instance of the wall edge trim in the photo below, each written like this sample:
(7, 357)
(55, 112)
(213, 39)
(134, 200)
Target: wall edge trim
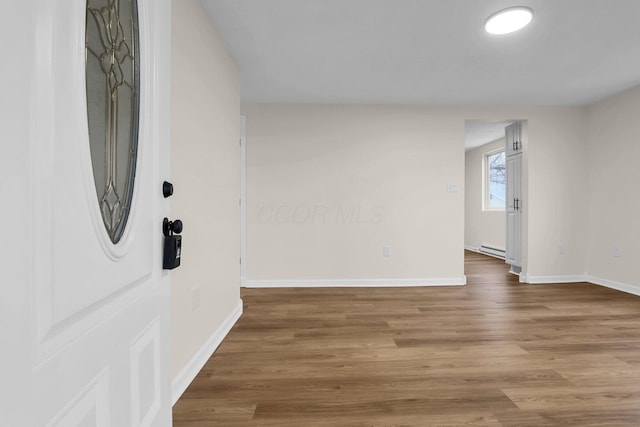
(189, 372)
(356, 283)
(618, 286)
(545, 280)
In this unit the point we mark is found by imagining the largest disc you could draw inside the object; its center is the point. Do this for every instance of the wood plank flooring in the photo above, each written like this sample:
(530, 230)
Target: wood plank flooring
(492, 353)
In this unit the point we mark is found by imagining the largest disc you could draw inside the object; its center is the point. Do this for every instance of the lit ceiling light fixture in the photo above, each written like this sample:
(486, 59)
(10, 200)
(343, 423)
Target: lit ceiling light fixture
(508, 20)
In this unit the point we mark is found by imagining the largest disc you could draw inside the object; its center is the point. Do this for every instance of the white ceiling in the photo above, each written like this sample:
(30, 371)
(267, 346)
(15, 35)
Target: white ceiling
(429, 51)
(478, 133)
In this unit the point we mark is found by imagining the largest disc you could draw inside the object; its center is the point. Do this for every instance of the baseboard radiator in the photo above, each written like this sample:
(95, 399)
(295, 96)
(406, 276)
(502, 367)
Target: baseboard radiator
(495, 252)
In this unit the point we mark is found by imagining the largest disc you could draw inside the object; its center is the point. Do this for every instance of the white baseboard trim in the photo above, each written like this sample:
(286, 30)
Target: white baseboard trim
(543, 280)
(184, 378)
(471, 248)
(618, 286)
(356, 283)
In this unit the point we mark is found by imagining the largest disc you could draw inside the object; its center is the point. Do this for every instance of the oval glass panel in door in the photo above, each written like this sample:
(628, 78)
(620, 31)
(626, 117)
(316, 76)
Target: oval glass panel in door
(113, 80)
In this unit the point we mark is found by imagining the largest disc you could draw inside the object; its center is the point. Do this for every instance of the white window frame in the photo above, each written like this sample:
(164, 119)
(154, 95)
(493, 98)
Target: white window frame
(485, 180)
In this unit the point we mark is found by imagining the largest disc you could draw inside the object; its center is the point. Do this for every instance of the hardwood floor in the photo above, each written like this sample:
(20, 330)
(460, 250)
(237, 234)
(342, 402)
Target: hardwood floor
(493, 353)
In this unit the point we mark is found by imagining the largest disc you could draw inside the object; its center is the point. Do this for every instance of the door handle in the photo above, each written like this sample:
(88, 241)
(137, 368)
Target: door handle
(517, 145)
(170, 228)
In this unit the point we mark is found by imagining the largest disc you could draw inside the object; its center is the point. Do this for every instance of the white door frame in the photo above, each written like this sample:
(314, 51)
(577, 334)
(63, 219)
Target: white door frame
(243, 200)
(524, 187)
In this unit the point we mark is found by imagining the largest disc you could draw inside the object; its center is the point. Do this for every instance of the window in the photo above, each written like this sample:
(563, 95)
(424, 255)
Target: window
(495, 189)
(113, 104)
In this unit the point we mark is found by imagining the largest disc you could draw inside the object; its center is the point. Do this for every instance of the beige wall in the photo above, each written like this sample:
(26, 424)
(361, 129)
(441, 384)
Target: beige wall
(205, 172)
(329, 186)
(481, 227)
(614, 178)
(400, 161)
(556, 201)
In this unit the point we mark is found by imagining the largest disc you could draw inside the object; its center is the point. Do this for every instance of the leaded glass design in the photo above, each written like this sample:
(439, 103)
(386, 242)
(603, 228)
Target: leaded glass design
(113, 77)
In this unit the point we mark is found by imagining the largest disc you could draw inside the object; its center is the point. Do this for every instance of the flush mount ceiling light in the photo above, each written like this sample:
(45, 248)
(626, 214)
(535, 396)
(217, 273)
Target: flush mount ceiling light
(508, 20)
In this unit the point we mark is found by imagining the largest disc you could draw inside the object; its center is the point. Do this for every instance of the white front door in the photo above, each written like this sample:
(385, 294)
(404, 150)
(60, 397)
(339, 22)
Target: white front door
(84, 320)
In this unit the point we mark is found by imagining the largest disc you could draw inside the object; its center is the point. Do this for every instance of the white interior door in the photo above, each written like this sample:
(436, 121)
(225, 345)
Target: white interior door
(85, 319)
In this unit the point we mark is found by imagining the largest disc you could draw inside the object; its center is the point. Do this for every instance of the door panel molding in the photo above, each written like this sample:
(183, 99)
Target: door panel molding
(65, 304)
(89, 407)
(145, 367)
(96, 315)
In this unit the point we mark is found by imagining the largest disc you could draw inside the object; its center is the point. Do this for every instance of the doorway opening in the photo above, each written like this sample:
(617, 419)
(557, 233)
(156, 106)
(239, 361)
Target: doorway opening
(494, 190)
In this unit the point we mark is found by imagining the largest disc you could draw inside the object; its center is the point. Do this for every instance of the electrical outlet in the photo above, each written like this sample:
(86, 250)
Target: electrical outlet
(616, 252)
(386, 251)
(194, 299)
(560, 249)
